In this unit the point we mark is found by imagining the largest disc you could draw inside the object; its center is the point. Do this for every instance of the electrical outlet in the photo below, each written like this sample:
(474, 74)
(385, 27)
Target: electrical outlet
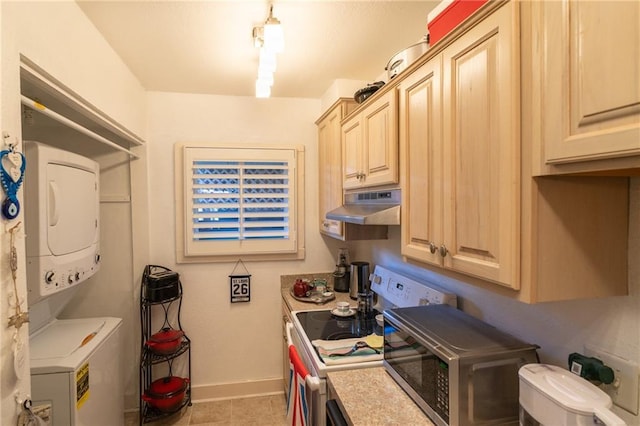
(624, 389)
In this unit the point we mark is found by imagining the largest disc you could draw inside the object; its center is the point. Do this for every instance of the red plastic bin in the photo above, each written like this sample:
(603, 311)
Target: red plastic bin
(450, 17)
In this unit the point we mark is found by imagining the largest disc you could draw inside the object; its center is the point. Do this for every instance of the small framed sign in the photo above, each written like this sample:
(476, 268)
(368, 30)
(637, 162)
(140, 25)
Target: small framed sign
(240, 288)
(240, 285)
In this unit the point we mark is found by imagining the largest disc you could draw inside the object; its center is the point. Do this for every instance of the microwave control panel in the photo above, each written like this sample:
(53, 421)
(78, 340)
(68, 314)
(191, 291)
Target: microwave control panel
(442, 391)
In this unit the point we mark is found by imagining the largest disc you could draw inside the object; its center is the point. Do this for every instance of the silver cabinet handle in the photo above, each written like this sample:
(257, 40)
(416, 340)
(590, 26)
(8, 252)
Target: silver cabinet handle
(443, 250)
(432, 247)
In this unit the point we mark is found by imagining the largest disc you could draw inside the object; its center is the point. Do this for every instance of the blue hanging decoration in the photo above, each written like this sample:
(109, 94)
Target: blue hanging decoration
(11, 180)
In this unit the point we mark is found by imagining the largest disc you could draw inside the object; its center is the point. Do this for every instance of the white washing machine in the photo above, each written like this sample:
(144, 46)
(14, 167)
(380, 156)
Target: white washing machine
(76, 367)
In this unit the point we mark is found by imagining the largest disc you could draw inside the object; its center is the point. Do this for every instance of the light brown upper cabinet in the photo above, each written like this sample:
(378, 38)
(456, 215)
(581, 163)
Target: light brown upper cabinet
(421, 180)
(589, 85)
(460, 144)
(330, 165)
(330, 176)
(469, 142)
(370, 144)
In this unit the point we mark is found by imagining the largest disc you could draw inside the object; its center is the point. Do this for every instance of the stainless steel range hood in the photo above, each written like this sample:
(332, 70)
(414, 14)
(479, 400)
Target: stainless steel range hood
(369, 208)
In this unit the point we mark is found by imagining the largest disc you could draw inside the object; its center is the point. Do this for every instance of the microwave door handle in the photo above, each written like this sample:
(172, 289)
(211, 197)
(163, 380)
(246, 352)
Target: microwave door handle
(54, 197)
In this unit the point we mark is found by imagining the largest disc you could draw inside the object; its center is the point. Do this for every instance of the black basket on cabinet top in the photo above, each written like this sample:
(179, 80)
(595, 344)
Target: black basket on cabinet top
(160, 284)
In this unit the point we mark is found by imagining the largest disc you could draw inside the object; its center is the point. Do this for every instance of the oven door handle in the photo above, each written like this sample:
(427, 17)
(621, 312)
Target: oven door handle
(311, 381)
(288, 329)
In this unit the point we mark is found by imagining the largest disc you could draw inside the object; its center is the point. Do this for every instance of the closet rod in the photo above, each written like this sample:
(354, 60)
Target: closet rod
(64, 120)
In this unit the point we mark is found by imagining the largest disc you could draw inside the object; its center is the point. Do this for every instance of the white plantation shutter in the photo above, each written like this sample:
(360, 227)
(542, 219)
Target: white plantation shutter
(239, 201)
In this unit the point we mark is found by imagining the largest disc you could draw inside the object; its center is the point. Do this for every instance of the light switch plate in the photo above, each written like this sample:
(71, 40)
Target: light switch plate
(624, 389)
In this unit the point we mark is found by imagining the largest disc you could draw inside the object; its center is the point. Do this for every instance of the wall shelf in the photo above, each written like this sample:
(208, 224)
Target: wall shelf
(69, 109)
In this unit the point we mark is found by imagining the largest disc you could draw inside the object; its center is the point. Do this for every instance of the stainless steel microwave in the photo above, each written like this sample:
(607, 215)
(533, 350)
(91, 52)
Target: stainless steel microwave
(459, 370)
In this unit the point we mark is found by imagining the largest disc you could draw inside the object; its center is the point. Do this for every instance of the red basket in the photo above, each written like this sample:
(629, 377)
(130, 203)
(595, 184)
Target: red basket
(452, 15)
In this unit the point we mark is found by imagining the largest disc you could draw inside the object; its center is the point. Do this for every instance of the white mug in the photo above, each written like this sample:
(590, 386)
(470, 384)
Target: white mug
(342, 306)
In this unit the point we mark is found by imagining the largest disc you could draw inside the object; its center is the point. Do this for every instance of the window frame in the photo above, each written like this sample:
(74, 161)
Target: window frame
(183, 228)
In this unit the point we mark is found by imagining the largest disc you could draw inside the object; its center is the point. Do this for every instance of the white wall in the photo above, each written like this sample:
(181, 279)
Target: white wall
(232, 343)
(340, 88)
(59, 38)
(559, 328)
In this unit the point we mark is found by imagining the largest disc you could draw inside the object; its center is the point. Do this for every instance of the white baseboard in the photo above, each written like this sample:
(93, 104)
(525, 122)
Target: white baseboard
(236, 390)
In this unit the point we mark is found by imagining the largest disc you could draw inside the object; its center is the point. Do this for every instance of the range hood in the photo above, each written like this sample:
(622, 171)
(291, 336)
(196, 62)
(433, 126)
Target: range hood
(369, 208)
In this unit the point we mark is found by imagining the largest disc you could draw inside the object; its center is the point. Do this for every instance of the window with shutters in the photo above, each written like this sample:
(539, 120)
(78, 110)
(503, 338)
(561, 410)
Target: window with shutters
(238, 202)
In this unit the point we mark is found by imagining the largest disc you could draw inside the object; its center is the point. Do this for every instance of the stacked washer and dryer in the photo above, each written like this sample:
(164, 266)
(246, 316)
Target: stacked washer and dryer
(75, 363)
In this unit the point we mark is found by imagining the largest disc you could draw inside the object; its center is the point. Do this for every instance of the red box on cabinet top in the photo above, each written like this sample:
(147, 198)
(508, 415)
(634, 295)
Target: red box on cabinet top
(449, 17)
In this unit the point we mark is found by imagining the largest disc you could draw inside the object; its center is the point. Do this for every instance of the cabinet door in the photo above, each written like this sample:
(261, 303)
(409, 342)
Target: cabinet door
(591, 85)
(352, 153)
(380, 159)
(481, 149)
(421, 153)
(330, 171)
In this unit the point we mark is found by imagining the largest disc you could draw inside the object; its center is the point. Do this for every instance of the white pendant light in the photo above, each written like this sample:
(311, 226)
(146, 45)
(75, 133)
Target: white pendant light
(267, 60)
(263, 90)
(266, 76)
(270, 40)
(273, 34)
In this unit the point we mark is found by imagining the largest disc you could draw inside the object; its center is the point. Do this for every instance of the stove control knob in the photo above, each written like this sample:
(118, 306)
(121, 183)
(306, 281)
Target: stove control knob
(48, 276)
(70, 279)
(77, 277)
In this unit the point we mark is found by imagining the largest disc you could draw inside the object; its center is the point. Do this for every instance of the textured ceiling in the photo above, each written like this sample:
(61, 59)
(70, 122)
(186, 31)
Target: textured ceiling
(206, 46)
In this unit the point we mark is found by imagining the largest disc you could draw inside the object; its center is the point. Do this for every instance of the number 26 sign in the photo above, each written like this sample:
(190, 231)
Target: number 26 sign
(240, 288)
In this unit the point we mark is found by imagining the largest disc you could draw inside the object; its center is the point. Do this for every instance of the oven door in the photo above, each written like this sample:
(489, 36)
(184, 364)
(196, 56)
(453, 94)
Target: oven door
(334, 414)
(307, 397)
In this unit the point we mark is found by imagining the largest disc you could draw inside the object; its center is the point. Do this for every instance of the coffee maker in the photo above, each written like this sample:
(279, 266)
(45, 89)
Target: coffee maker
(341, 280)
(360, 288)
(359, 280)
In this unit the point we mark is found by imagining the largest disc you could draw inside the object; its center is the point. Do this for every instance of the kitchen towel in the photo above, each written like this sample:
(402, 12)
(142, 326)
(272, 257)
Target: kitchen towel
(298, 409)
(326, 348)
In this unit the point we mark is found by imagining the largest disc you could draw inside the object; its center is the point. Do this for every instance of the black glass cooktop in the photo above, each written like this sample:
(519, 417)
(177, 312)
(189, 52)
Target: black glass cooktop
(326, 326)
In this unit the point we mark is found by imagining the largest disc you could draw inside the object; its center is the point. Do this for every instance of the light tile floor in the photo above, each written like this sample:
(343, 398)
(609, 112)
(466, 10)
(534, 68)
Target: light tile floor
(256, 411)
